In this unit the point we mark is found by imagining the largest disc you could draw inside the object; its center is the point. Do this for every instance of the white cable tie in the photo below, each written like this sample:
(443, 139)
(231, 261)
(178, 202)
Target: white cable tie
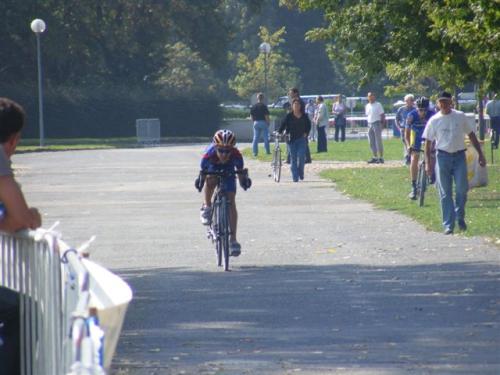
(83, 247)
(41, 232)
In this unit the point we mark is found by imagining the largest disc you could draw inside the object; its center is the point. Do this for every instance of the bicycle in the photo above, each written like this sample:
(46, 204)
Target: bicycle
(219, 229)
(422, 179)
(277, 162)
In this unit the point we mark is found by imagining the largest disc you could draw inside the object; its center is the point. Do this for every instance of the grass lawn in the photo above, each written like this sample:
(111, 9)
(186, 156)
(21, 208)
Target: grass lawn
(350, 150)
(53, 144)
(388, 188)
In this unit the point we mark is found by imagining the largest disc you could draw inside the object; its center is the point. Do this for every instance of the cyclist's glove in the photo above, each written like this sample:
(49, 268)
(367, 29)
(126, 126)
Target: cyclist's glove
(199, 182)
(246, 183)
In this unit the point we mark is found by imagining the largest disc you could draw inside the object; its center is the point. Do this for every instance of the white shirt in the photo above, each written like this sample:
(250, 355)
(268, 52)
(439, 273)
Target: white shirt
(321, 115)
(493, 108)
(449, 130)
(373, 112)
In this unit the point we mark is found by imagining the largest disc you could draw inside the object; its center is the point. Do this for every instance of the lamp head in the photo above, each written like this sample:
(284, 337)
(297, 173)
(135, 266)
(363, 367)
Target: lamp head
(38, 26)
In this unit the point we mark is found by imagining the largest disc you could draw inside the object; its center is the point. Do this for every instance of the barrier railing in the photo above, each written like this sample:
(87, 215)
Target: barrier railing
(69, 320)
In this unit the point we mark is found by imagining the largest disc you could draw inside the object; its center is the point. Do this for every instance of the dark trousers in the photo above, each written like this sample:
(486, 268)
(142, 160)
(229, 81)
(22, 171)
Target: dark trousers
(340, 129)
(322, 139)
(495, 126)
(340, 123)
(10, 356)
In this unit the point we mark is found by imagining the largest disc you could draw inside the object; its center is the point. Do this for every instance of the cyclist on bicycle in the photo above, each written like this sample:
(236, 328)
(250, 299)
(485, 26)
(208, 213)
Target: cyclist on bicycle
(223, 156)
(415, 125)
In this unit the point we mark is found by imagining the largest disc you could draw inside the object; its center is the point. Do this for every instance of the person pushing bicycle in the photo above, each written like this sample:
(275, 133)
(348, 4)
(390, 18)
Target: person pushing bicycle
(223, 156)
(415, 125)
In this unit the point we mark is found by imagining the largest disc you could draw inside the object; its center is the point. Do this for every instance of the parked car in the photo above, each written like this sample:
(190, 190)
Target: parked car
(467, 98)
(282, 100)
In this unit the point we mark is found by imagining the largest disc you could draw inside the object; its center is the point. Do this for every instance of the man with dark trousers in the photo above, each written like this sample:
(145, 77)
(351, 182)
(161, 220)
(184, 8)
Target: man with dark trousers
(260, 117)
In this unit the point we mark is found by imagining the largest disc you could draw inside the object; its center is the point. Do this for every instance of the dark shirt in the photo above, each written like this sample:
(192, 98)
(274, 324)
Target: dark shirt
(259, 112)
(296, 127)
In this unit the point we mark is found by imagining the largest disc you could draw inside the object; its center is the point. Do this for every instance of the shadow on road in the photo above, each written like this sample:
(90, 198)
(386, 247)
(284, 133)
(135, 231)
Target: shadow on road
(442, 318)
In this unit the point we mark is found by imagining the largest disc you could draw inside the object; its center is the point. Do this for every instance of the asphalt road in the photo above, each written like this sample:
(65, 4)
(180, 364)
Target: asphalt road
(325, 284)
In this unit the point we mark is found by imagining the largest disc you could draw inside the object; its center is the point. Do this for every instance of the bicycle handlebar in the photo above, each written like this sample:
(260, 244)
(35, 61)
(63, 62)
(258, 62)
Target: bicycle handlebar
(281, 136)
(243, 171)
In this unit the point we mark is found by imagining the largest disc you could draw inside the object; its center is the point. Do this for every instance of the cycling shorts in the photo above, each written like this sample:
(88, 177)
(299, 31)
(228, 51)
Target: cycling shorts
(416, 137)
(229, 185)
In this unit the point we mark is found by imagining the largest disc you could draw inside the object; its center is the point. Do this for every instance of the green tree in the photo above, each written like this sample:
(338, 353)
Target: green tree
(281, 74)
(185, 71)
(451, 41)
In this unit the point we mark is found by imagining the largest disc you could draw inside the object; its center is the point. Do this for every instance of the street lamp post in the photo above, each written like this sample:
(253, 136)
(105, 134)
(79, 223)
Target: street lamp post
(265, 48)
(38, 27)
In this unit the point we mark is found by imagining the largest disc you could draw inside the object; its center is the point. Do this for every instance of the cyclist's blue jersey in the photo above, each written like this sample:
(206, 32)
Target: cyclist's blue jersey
(210, 162)
(416, 121)
(417, 126)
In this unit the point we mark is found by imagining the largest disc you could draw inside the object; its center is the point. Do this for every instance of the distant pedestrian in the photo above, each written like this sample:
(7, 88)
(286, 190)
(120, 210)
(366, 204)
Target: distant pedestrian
(311, 111)
(448, 129)
(293, 93)
(260, 117)
(297, 125)
(376, 121)
(493, 110)
(338, 111)
(400, 120)
(321, 121)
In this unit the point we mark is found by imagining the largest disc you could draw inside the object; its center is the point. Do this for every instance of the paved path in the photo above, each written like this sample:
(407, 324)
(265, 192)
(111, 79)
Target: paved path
(325, 284)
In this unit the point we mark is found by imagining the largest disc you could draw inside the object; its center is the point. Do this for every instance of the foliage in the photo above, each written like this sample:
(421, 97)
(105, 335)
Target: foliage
(449, 41)
(102, 41)
(475, 26)
(185, 72)
(281, 75)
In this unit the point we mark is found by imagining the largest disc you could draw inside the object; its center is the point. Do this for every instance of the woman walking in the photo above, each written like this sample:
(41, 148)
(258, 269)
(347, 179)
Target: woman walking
(297, 125)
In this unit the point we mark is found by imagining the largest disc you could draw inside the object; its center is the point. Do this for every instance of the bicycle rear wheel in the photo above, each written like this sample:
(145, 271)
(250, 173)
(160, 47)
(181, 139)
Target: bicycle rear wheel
(277, 165)
(421, 184)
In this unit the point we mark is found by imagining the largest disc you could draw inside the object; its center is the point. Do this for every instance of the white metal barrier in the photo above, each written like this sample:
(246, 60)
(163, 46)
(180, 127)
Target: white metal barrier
(71, 309)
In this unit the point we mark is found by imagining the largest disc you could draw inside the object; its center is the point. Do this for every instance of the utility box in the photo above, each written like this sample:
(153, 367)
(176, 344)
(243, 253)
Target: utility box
(148, 131)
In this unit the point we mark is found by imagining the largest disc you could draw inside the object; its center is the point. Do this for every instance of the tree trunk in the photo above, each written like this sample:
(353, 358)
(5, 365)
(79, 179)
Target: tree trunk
(480, 95)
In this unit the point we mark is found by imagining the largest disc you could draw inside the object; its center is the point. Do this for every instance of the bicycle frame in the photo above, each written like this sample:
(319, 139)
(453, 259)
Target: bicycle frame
(276, 162)
(219, 230)
(422, 179)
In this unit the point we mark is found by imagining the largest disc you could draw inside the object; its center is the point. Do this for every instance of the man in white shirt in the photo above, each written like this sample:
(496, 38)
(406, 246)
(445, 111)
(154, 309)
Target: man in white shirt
(321, 121)
(448, 128)
(376, 121)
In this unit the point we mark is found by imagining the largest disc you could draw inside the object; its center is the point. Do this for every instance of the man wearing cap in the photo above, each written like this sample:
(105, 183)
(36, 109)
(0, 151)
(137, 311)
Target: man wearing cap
(448, 128)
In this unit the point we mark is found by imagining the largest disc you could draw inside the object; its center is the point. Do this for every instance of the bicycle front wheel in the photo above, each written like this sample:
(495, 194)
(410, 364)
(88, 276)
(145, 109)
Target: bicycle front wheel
(216, 231)
(421, 183)
(224, 230)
